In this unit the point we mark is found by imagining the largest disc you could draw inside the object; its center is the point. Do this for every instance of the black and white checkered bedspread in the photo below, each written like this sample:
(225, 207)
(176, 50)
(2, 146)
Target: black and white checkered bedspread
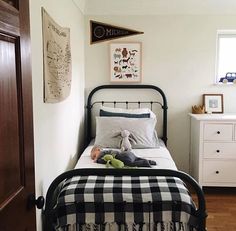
(124, 200)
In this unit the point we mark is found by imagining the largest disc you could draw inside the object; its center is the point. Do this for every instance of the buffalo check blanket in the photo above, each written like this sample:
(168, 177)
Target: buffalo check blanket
(125, 203)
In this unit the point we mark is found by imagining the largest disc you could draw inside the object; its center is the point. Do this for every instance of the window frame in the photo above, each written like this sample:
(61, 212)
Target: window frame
(221, 34)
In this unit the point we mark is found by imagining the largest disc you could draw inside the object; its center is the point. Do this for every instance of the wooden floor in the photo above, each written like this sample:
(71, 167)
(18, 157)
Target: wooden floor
(221, 208)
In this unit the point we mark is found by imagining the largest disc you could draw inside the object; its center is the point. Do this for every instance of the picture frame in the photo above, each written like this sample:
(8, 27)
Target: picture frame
(125, 62)
(213, 103)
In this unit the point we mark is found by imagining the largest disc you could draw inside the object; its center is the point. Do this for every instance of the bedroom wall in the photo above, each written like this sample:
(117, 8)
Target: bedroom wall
(58, 128)
(179, 53)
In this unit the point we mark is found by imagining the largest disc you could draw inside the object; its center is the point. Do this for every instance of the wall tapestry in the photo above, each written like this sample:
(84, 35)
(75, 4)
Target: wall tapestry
(100, 32)
(125, 62)
(56, 60)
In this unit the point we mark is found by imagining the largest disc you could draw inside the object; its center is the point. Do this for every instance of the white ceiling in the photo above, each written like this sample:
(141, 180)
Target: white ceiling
(156, 7)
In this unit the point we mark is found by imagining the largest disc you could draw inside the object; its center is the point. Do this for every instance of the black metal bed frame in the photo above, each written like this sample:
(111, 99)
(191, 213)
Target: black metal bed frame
(52, 193)
(90, 105)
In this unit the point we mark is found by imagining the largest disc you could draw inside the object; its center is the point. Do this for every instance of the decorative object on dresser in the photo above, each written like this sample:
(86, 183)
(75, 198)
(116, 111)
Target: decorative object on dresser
(213, 149)
(125, 62)
(213, 103)
(198, 109)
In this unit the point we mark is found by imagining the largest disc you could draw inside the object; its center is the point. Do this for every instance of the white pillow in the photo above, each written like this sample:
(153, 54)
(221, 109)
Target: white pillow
(142, 130)
(129, 111)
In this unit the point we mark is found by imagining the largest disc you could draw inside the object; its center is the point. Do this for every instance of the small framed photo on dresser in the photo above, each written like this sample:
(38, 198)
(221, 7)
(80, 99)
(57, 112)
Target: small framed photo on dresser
(213, 103)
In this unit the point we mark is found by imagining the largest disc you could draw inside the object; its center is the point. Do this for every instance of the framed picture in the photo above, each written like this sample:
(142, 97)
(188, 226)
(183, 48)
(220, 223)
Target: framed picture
(213, 103)
(125, 62)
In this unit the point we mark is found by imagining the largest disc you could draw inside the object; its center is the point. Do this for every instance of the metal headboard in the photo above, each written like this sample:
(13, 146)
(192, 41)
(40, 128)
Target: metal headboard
(90, 104)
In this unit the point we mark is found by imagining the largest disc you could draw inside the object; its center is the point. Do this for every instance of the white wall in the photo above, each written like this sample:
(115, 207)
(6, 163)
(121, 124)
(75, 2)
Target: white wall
(58, 128)
(81, 4)
(159, 7)
(178, 56)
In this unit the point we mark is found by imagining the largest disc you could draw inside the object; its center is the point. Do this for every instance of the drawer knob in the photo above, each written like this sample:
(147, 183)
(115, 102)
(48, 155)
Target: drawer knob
(217, 172)
(218, 151)
(218, 132)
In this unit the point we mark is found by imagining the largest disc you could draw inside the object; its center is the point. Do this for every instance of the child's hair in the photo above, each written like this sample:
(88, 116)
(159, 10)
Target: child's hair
(95, 147)
(95, 152)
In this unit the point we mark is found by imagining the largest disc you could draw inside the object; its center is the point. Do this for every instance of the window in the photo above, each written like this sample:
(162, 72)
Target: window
(226, 57)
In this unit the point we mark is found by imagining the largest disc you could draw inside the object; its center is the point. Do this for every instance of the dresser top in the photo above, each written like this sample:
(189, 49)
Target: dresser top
(213, 116)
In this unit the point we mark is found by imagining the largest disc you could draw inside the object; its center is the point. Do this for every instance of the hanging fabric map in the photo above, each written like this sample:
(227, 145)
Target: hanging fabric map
(57, 60)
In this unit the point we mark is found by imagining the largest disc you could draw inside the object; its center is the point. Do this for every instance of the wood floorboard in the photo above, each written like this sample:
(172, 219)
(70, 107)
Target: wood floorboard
(221, 208)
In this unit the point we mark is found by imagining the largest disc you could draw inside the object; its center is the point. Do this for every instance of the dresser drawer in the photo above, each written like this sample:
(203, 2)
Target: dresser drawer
(219, 150)
(219, 171)
(218, 132)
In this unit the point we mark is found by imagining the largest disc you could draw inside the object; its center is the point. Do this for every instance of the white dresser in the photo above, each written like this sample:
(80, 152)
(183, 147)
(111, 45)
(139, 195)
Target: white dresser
(213, 149)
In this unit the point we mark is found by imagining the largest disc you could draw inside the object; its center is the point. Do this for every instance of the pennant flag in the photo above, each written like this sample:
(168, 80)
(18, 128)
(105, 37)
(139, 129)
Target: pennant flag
(100, 32)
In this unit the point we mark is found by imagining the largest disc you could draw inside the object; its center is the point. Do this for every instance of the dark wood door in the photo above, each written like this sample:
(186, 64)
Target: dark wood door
(16, 120)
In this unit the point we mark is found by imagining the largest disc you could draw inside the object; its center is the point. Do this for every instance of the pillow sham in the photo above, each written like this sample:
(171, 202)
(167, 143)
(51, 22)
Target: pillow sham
(129, 111)
(142, 132)
(120, 114)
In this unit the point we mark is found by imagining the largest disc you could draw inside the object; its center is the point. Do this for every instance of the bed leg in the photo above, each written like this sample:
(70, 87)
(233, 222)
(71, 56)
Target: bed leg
(202, 221)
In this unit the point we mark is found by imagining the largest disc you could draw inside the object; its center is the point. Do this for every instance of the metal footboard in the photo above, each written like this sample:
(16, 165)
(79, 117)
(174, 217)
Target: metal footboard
(52, 193)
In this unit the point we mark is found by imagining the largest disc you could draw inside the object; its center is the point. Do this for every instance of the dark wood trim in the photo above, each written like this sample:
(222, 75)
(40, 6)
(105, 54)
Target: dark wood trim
(27, 104)
(13, 3)
(9, 19)
(25, 48)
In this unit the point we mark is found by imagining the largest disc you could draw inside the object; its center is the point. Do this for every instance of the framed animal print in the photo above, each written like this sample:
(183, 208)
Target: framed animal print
(125, 61)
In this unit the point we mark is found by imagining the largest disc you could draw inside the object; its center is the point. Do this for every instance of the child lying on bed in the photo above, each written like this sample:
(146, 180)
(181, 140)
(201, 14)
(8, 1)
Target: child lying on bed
(127, 157)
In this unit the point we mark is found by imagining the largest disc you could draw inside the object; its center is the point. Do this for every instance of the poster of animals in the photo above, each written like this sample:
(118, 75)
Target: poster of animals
(56, 60)
(125, 62)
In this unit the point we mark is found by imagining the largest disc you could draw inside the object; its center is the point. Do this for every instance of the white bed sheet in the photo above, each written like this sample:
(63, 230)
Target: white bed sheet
(160, 155)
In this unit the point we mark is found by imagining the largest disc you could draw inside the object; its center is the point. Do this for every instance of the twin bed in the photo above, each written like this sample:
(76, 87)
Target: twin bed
(93, 197)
